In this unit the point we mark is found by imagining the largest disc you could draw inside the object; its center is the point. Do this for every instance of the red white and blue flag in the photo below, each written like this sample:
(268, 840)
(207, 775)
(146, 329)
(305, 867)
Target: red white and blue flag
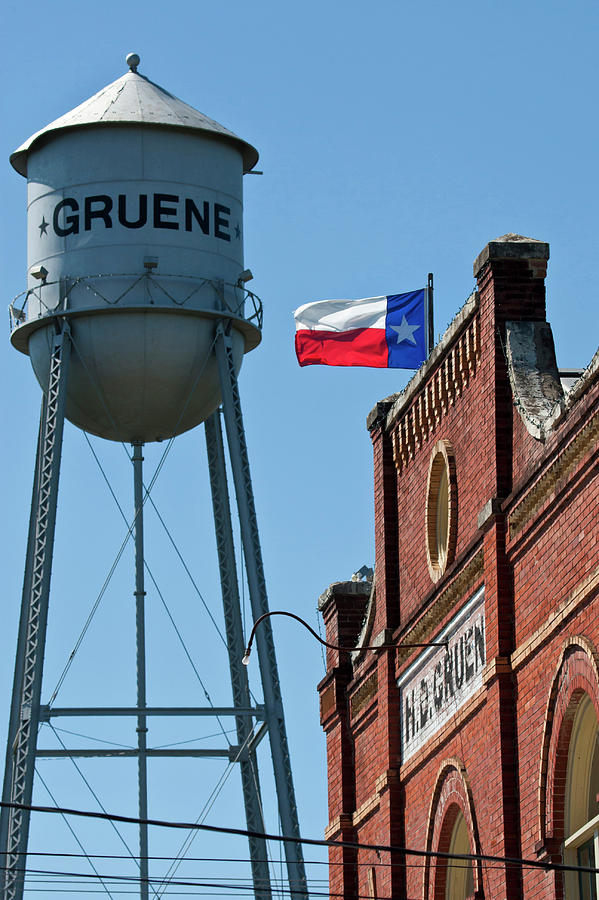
(382, 332)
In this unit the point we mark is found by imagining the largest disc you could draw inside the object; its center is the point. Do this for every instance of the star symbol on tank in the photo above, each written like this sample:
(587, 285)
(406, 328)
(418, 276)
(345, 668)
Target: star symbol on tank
(237, 231)
(405, 331)
(44, 226)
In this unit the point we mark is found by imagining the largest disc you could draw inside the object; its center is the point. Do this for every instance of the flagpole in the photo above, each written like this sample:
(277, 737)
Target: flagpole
(431, 321)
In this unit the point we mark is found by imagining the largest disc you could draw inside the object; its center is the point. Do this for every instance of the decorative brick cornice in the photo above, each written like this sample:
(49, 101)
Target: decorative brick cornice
(428, 407)
(370, 806)
(366, 810)
(327, 703)
(332, 691)
(365, 693)
(557, 475)
(499, 665)
(338, 826)
(440, 606)
(386, 780)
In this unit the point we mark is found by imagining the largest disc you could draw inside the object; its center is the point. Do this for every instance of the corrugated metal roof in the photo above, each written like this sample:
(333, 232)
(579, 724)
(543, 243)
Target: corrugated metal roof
(134, 99)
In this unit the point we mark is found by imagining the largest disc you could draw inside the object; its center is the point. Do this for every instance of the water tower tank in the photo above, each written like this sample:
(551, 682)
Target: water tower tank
(135, 238)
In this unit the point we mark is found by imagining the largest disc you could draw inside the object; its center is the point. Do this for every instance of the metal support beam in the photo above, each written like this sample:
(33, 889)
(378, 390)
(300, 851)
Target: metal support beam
(234, 632)
(257, 738)
(24, 719)
(50, 712)
(15, 707)
(259, 602)
(142, 729)
(229, 753)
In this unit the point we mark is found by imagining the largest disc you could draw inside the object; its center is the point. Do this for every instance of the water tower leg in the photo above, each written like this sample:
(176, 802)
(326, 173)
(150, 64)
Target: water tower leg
(250, 539)
(142, 729)
(25, 707)
(235, 644)
(21, 642)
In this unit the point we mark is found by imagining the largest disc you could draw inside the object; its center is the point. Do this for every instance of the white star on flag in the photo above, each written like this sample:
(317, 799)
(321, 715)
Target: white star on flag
(405, 332)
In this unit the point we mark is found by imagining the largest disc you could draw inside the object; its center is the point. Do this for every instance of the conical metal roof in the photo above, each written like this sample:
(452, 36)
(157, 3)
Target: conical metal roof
(134, 99)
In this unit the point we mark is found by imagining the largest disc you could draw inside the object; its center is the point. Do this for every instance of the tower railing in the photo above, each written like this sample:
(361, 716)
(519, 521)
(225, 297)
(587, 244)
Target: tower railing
(231, 298)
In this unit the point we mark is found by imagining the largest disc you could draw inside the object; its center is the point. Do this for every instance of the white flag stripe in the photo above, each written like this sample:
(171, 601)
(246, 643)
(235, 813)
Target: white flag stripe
(342, 315)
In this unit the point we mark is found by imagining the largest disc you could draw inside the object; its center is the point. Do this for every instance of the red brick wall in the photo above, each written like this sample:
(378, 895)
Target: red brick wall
(501, 759)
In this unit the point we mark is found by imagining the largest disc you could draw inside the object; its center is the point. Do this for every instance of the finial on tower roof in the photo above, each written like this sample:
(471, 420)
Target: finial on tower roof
(132, 61)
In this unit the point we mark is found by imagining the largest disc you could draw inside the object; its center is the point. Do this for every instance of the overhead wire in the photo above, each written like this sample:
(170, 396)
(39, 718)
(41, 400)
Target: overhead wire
(314, 842)
(168, 533)
(184, 564)
(269, 857)
(105, 585)
(131, 879)
(188, 572)
(70, 827)
(107, 581)
(241, 860)
(145, 497)
(186, 651)
(245, 861)
(206, 809)
(202, 737)
(181, 852)
(212, 881)
(96, 798)
(89, 737)
(240, 890)
(158, 591)
(176, 862)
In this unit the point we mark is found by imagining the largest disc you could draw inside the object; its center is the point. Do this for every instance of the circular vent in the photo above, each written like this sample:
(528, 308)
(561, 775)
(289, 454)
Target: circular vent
(441, 510)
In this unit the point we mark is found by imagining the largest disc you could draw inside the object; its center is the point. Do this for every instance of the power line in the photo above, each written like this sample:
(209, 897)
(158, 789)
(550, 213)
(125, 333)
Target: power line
(247, 889)
(314, 842)
(96, 798)
(225, 859)
(241, 890)
(72, 830)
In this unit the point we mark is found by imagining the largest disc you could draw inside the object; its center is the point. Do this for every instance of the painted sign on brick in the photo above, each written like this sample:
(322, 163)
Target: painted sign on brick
(440, 681)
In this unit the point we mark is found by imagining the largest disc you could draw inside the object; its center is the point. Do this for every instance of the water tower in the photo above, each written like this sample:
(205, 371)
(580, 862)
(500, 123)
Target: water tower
(136, 319)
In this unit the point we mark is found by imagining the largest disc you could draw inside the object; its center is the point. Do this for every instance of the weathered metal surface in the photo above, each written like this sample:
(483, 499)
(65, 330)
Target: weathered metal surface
(134, 99)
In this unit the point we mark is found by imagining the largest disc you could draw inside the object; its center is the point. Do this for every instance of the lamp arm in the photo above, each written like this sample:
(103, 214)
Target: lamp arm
(283, 612)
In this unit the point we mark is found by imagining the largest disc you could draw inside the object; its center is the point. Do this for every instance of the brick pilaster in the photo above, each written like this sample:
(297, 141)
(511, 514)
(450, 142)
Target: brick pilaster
(342, 606)
(510, 273)
(385, 528)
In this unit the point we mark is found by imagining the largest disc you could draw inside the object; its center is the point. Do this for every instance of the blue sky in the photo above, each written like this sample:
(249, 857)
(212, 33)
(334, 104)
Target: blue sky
(396, 138)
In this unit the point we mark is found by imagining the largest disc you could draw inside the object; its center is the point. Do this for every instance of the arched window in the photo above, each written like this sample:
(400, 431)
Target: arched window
(581, 812)
(452, 830)
(459, 884)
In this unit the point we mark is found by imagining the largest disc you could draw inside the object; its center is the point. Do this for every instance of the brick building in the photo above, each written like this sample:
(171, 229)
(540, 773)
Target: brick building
(485, 490)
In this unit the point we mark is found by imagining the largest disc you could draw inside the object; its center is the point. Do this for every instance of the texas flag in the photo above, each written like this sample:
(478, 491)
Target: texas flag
(382, 332)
